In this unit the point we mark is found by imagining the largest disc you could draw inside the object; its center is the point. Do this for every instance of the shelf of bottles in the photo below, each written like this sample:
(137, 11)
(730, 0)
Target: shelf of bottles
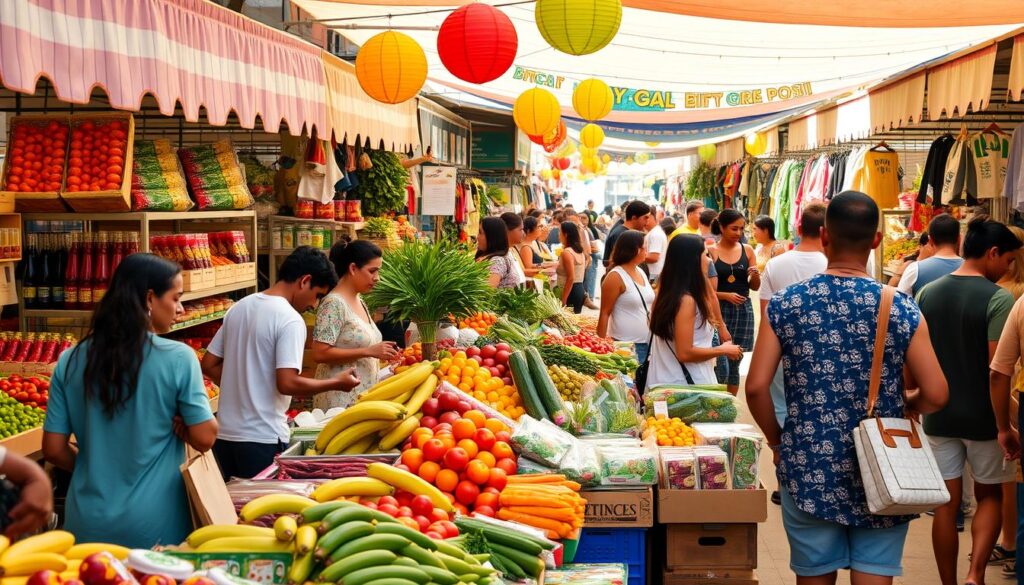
(70, 258)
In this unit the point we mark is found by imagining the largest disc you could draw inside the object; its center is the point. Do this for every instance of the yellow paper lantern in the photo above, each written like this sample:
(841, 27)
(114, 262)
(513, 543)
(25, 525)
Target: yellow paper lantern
(592, 136)
(545, 174)
(592, 162)
(755, 144)
(536, 112)
(642, 158)
(391, 67)
(592, 99)
(652, 143)
(587, 152)
(578, 27)
(629, 160)
(707, 152)
(606, 158)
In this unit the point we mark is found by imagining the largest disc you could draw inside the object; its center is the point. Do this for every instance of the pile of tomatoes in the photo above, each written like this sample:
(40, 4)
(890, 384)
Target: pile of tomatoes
(467, 457)
(97, 155)
(585, 340)
(35, 159)
(480, 322)
(416, 512)
(32, 391)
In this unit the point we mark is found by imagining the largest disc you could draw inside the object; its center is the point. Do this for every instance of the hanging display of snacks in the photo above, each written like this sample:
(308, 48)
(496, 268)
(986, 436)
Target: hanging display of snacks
(157, 181)
(215, 176)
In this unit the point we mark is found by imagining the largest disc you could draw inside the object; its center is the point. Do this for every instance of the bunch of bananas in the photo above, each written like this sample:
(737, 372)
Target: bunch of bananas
(383, 417)
(50, 551)
(344, 542)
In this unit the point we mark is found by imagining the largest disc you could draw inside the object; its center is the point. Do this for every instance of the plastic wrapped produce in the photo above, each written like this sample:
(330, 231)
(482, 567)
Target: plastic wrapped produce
(541, 441)
(693, 404)
(526, 466)
(582, 465)
(720, 435)
(679, 468)
(713, 469)
(621, 465)
(746, 452)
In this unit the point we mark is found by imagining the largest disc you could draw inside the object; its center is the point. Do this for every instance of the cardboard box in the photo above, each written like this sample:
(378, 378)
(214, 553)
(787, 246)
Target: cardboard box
(620, 508)
(710, 578)
(695, 506)
(704, 547)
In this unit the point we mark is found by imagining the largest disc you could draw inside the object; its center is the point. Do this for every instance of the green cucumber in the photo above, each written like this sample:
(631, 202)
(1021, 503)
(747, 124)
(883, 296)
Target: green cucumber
(511, 538)
(532, 565)
(422, 556)
(391, 542)
(439, 576)
(495, 561)
(391, 581)
(364, 576)
(320, 511)
(371, 558)
(416, 536)
(406, 562)
(344, 516)
(346, 532)
(546, 390)
(520, 370)
(509, 567)
(451, 550)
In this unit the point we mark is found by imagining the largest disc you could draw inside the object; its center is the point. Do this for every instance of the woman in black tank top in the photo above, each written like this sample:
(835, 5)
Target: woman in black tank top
(737, 275)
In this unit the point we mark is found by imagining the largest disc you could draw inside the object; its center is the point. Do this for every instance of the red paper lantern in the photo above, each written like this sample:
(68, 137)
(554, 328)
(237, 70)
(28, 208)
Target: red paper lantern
(477, 43)
(562, 163)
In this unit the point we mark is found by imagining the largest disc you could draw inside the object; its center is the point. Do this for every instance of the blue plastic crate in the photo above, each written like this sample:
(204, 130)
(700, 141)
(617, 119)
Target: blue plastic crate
(616, 545)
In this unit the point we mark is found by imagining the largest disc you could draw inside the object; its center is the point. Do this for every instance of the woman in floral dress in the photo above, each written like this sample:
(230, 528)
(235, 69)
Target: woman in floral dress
(345, 335)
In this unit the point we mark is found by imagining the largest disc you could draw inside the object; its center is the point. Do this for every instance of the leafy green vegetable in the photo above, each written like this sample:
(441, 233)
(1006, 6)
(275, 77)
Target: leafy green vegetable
(382, 188)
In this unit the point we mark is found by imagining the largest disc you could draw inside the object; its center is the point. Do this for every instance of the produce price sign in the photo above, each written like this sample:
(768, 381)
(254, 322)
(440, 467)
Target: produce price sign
(439, 191)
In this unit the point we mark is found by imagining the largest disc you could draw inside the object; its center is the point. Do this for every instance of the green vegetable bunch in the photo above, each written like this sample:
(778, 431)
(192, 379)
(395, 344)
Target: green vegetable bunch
(378, 227)
(382, 188)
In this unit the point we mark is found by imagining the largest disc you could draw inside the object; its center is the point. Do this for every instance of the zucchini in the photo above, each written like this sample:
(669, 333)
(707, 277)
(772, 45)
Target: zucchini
(320, 511)
(391, 542)
(363, 576)
(546, 390)
(530, 564)
(524, 384)
(340, 535)
(416, 536)
(371, 558)
(422, 556)
(509, 567)
(343, 516)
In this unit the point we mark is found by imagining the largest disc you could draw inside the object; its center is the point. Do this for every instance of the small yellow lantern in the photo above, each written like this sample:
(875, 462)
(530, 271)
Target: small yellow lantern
(578, 27)
(536, 112)
(755, 144)
(391, 67)
(592, 99)
(592, 136)
(707, 152)
(643, 158)
(652, 143)
(587, 152)
(606, 158)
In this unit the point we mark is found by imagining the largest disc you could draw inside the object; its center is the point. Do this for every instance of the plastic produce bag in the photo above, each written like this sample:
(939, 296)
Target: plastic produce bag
(582, 465)
(678, 468)
(541, 441)
(628, 465)
(720, 435)
(692, 404)
(526, 466)
(746, 452)
(713, 469)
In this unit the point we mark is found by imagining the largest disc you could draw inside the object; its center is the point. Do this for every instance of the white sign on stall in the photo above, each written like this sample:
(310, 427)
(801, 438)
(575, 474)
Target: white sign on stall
(438, 191)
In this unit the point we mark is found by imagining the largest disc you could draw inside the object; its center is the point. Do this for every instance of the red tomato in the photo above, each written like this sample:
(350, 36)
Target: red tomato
(450, 529)
(422, 522)
(405, 512)
(484, 439)
(484, 511)
(439, 515)
(422, 506)
(486, 499)
(503, 436)
(467, 492)
(387, 501)
(508, 466)
(502, 356)
(434, 450)
(498, 478)
(437, 527)
(388, 509)
(456, 459)
(404, 498)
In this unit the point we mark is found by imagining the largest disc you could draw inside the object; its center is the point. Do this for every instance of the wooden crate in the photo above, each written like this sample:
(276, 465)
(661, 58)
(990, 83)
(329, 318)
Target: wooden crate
(105, 201)
(245, 272)
(711, 546)
(226, 274)
(197, 280)
(43, 201)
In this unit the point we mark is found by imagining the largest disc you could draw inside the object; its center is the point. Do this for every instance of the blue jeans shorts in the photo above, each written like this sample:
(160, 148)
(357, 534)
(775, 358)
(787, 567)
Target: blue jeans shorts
(818, 547)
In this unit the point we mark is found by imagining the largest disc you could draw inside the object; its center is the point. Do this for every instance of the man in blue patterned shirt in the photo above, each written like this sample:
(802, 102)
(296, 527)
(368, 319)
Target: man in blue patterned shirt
(822, 330)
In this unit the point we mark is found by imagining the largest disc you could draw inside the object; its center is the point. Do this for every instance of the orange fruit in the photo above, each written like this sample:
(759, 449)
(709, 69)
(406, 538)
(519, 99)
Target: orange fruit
(494, 425)
(412, 459)
(429, 470)
(463, 429)
(478, 472)
(470, 447)
(446, 480)
(502, 450)
(487, 499)
(487, 458)
(479, 418)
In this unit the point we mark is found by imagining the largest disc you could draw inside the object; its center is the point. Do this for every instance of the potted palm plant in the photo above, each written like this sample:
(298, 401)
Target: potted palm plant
(424, 283)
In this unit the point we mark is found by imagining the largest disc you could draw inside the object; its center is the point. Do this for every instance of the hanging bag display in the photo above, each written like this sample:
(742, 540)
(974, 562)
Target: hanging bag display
(897, 466)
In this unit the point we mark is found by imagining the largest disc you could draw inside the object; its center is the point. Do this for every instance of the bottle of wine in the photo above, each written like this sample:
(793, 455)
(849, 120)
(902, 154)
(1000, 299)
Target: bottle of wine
(60, 261)
(71, 273)
(43, 286)
(102, 268)
(85, 299)
(30, 278)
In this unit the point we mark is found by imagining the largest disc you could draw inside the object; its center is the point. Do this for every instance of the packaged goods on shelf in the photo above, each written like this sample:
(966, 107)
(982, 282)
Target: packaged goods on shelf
(43, 348)
(157, 180)
(626, 462)
(191, 251)
(10, 243)
(72, 271)
(679, 468)
(742, 443)
(692, 404)
(215, 176)
(201, 309)
(230, 245)
(696, 468)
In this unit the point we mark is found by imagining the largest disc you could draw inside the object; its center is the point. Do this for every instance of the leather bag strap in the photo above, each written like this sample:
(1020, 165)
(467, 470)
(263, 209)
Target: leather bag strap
(888, 293)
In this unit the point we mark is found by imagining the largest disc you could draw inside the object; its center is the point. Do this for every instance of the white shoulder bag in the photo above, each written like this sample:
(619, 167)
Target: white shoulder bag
(896, 462)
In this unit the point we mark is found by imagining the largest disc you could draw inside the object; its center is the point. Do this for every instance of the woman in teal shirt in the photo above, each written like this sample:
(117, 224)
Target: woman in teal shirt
(132, 400)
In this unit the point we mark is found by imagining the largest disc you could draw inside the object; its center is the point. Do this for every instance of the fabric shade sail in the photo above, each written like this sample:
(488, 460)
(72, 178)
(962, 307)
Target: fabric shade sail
(961, 84)
(352, 113)
(899, 104)
(1016, 79)
(189, 51)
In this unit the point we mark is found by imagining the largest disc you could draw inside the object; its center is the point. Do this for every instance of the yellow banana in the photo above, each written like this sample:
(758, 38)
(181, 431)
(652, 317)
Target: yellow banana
(26, 564)
(305, 540)
(361, 446)
(364, 411)
(80, 551)
(243, 544)
(408, 482)
(423, 393)
(351, 486)
(355, 433)
(404, 397)
(399, 433)
(396, 386)
(274, 504)
(4, 543)
(207, 533)
(285, 527)
(56, 541)
(301, 569)
(23, 580)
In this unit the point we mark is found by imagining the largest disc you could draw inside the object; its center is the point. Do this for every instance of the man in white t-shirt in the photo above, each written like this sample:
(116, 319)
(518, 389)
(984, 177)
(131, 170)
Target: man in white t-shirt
(799, 264)
(657, 243)
(256, 357)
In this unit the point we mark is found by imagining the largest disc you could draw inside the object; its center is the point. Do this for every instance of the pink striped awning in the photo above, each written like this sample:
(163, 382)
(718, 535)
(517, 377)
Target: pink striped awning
(188, 51)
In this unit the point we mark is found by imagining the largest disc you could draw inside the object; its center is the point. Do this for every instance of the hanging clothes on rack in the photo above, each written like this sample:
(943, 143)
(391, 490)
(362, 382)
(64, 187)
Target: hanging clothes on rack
(1013, 186)
(879, 176)
(959, 182)
(935, 169)
(990, 151)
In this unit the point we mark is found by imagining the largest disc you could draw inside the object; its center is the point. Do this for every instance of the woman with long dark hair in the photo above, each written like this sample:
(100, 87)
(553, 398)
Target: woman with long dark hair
(345, 335)
(681, 350)
(572, 266)
(531, 248)
(627, 295)
(132, 400)
(737, 270)
(767, 246)
(492, 244)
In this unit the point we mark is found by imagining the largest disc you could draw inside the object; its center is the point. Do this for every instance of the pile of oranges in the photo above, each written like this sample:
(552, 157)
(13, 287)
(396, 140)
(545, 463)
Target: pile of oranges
(467, 374)
(670, 432)
(480, 322)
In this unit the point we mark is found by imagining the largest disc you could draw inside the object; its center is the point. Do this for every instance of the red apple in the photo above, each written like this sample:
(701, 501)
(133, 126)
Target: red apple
(463, 407)
(428, 422)
(431, 407)
(495, 372)
(507, 380)
(489, 362)
(44, 578)
(422, 506)
(484, 439)
(423, 521)
(103, 569)
(488, 351)
(448, 400)
(450, 416)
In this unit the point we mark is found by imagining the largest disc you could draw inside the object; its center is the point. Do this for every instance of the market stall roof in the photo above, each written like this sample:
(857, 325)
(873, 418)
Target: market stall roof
(683, 79)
